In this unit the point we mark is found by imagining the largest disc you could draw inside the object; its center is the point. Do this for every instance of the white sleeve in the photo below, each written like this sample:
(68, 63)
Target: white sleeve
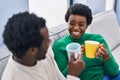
(59, 74)
(70, 77)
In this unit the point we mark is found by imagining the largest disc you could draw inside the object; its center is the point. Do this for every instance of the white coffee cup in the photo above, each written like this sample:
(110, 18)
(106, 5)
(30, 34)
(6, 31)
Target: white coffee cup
(73, 48)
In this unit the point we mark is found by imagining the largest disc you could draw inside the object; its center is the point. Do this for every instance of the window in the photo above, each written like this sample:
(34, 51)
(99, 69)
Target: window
(110, 4)
(97, 5)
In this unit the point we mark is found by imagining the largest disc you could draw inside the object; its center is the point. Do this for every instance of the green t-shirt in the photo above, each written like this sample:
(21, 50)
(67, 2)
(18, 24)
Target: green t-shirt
(95, 68)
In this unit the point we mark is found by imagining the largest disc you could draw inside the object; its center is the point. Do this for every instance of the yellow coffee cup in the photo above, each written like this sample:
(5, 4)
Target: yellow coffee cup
(91, 48)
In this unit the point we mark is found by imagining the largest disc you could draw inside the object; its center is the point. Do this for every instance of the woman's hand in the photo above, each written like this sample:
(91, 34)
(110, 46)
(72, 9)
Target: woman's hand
(102, 52)
(82, 49)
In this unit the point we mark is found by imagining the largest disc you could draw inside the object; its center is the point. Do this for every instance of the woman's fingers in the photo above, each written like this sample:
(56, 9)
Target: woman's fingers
(82, 49)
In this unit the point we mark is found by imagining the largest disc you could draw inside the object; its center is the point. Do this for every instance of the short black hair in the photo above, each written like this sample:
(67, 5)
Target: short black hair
(22, 32)
(79, 9)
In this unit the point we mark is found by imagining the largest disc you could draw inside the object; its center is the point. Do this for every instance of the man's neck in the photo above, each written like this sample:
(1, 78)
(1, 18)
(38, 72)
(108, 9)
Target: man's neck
(25, 61)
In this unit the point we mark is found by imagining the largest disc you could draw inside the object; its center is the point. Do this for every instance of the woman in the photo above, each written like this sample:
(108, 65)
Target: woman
(79, 17)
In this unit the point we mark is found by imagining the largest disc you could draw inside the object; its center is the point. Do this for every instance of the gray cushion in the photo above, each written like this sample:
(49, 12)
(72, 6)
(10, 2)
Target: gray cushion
(106, 24)
(58, 32)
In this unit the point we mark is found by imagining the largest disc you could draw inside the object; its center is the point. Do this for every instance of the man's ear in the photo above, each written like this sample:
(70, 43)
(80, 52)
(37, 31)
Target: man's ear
(33, 51)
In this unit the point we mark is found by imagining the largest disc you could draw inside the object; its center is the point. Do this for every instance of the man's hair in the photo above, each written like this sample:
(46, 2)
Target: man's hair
(22, 32)
(79, 9)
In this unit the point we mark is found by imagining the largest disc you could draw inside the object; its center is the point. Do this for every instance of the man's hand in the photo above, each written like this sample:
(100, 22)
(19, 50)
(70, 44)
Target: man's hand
(75, 67)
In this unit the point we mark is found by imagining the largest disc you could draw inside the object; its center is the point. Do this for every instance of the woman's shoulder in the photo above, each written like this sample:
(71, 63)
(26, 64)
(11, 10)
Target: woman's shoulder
(97, 37)
(92, 35)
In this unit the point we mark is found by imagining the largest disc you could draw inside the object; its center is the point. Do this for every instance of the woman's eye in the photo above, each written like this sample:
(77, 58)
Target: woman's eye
(81, 25)
(72, 24)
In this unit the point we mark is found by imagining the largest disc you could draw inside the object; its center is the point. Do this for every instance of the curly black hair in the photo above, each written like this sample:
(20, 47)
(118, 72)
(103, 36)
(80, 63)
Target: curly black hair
(22, 32)
(79, 9)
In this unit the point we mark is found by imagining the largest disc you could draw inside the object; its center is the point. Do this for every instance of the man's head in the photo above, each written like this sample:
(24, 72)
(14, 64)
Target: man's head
(24, 32)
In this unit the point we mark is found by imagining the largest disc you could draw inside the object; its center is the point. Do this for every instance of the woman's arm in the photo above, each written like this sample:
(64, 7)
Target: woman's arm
(110, 65)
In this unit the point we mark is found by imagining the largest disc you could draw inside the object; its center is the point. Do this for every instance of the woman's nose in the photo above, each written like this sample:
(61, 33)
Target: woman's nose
(76, 26)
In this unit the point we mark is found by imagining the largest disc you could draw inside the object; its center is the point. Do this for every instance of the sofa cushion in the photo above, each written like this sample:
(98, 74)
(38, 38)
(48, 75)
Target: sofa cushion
(116, 54)
(105, 23)
(57, 32)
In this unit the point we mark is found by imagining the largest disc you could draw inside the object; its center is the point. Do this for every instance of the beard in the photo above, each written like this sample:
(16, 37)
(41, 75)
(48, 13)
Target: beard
(41, 54)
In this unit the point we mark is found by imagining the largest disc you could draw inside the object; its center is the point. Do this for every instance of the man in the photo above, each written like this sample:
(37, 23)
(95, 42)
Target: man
(26, 36)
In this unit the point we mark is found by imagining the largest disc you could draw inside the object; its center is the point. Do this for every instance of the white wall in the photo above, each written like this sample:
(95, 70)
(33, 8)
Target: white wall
(52, 10)
(8, 8)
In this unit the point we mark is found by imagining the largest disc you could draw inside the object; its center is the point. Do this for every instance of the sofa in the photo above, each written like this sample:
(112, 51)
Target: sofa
(104, 23)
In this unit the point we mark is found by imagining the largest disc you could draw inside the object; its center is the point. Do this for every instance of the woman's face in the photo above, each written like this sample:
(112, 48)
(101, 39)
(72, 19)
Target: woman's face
(77, 25)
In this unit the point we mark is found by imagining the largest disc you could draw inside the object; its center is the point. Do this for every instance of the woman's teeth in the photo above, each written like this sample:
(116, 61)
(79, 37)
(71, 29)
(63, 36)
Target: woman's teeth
(76, 33)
